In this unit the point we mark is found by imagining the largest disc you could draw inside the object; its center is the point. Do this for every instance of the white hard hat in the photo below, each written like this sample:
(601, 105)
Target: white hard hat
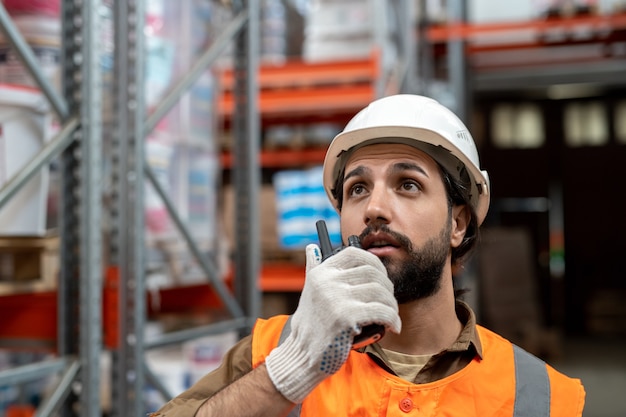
(420, 122)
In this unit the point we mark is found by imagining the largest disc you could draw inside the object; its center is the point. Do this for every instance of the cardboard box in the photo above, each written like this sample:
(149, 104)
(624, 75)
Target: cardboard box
(28, 263)
(270, 246)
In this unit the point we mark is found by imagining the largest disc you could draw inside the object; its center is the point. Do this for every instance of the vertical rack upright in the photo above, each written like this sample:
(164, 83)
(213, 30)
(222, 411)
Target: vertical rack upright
(127, 231)
(81, 194)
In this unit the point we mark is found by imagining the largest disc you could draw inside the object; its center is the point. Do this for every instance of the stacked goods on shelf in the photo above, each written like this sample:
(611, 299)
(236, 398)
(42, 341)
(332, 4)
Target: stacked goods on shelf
(181, 150)
(289, 208)
(341, 29)
(280, 29)
(299, 136)
(273, 31)
(483, 11)
(301, 201)
(181, 366)
(39, 23)
(160, 53)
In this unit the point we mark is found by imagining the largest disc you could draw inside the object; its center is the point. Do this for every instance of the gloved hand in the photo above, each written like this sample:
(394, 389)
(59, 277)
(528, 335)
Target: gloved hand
(344, 293)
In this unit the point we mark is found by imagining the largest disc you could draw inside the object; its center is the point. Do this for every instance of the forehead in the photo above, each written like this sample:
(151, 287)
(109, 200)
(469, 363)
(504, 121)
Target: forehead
(390, 153)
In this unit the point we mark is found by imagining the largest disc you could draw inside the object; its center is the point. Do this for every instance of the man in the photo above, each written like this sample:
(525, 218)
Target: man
(405, 177)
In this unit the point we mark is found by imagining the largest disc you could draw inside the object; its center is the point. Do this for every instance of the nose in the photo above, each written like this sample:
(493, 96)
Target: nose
(378, 208)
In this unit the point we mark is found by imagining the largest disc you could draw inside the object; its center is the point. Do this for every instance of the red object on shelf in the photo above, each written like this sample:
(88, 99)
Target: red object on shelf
(184, 299)
(279, 277)
(29, 320)
(20, 411)
(110, 308)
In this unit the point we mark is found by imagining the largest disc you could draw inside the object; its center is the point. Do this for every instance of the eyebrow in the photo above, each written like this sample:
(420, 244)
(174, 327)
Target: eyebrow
(407, 166)
(358, 171)
(396, 168)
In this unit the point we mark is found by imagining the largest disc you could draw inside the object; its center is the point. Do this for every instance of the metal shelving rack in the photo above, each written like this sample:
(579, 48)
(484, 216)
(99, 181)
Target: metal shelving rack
(79, 148)
(78, 142)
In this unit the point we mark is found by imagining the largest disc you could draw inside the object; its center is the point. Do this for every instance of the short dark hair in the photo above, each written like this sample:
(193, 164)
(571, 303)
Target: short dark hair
(458, 192)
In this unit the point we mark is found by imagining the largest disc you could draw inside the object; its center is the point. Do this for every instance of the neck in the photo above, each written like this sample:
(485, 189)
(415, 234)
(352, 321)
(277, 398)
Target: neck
(429, 325)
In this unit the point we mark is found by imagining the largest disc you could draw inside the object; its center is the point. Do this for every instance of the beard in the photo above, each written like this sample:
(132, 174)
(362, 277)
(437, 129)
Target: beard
(419, 275)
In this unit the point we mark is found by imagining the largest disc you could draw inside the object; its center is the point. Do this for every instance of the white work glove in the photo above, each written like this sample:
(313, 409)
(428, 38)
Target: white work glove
(340, 296)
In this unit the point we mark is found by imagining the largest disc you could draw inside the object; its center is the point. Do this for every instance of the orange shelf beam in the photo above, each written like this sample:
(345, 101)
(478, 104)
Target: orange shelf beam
(453, 31)
(283, 158)
(303, 101)
(299, 73)
(301, 89)
(282, 278)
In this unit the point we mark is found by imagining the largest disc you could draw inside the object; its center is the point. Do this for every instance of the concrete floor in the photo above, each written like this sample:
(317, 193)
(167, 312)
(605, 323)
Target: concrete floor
(601, 365)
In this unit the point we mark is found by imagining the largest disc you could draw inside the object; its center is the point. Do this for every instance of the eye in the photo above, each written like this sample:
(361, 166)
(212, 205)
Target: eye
(410, 185)
(356, 190)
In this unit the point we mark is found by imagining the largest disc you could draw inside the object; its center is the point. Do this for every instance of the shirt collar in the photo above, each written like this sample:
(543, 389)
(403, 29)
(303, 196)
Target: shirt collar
(469, 335)
(467, 339)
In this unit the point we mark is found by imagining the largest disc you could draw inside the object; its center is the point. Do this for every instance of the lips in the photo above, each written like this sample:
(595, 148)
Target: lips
(378, 242)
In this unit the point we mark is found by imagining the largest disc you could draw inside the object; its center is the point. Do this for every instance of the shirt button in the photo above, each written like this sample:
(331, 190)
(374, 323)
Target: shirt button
(406, 405)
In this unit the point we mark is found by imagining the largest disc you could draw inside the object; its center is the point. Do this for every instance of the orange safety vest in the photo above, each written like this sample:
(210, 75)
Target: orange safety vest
(508, 381)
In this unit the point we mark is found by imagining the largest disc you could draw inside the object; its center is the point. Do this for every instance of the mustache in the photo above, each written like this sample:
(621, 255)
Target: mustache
(403, 240)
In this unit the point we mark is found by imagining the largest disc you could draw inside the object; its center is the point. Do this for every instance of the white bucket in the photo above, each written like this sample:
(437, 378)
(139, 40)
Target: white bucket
(25, 124)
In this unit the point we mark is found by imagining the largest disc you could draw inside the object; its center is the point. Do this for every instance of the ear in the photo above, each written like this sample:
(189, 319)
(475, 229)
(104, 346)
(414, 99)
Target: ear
(460, 220)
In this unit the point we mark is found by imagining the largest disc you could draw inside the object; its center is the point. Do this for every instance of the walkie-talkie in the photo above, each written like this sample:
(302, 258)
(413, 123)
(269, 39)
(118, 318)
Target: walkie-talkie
(372, 332)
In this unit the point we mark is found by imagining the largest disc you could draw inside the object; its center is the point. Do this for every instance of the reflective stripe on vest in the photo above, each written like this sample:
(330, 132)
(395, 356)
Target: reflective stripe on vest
(532, 384)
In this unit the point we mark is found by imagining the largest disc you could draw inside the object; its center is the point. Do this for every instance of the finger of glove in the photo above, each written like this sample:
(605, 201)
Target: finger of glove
(372, 292)
(379, 313)
(361, 304)
(369, 303)
(313, 256)
(358, 275)
(351, 257)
